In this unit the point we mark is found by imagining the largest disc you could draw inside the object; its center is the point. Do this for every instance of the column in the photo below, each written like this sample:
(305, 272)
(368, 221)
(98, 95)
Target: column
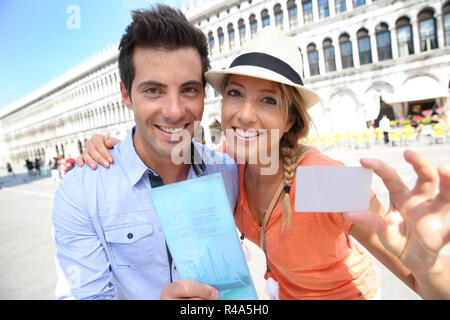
(394, 45)
(440, 31)
(349, 5)
(226, 39)
(300, 20)
(373, 46)
(355, 51)
(332, 7)
(271, 16)
(315, 9)
(416, 35)
(285, 11)
(337, 54)
(306, 70)
(322, 68)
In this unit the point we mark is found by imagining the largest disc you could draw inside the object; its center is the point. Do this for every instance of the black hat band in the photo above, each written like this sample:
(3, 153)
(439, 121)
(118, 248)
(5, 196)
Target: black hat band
(269, 62)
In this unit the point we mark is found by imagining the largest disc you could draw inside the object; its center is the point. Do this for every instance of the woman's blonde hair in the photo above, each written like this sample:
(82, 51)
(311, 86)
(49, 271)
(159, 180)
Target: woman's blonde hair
(291, 150)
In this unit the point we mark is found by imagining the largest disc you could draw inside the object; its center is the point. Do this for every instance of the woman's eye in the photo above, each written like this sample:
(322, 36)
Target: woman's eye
(269, 100)
(234, 93)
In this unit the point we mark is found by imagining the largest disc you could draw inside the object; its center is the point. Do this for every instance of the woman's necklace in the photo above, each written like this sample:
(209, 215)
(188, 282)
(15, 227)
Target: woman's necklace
(271, 284)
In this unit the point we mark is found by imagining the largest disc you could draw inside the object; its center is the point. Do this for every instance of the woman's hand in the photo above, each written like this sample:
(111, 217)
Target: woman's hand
(97, 151)
(413, 229)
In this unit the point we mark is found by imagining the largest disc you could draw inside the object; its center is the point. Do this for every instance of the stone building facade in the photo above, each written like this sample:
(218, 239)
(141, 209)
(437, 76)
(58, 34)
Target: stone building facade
(357, 54)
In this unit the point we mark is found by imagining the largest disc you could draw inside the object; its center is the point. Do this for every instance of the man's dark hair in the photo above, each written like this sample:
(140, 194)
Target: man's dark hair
(159, 27)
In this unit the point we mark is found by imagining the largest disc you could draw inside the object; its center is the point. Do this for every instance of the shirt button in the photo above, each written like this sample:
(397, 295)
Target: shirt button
(130, 236)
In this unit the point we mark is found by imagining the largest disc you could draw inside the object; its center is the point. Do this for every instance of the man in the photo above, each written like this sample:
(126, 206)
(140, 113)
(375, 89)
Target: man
(107, 235)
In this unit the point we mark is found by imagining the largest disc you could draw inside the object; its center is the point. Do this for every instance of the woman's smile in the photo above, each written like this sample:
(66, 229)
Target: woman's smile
(246, 134)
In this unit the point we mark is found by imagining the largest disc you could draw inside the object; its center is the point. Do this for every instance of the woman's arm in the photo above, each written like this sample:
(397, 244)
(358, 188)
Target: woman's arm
(413, 229)
(96, 151)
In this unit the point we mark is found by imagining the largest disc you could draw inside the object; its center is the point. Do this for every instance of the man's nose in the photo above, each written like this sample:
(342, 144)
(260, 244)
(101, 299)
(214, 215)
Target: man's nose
(174, 110)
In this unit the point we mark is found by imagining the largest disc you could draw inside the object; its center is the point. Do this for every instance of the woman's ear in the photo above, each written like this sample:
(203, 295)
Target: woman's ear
(290, 121)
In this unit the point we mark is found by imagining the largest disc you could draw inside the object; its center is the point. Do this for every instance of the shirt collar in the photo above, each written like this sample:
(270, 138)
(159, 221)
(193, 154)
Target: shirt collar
(135, 168)
(197, 163)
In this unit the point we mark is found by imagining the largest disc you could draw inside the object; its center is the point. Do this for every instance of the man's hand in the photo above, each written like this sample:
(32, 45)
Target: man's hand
(97, 151)
(187, 289)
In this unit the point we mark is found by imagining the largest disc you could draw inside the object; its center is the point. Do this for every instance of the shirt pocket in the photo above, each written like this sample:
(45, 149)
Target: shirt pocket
(131, 246)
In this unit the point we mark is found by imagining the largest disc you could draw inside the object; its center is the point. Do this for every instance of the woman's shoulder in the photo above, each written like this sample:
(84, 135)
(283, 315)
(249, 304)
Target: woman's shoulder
(314, 157)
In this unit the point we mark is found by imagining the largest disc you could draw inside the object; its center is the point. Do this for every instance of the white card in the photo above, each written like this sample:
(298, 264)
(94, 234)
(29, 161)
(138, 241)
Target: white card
(332, 189)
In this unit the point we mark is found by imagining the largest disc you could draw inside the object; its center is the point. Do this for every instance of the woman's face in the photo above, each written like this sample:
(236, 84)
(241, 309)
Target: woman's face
(253, 119)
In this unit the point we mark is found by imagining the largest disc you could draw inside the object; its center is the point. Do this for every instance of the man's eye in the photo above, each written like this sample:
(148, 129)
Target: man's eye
(151, 91)
(269, 100)
(190, 90)
(234, 93)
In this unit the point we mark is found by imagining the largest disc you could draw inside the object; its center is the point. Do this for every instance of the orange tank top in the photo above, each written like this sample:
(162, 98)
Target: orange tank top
(315, 257)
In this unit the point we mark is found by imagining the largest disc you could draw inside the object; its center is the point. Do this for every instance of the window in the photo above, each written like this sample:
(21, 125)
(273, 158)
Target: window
(346, 51)
(313, 57)
(383, 36)
(404, 37)
(324, 10)
(328, 52)
(292, 11)
(427, 30)
(230, 30)
(364, 48)
(221, 37)
(211, 42)
(307, 11)
(253, 26)
(265, 18)
(278, 16)
(340, 6)
(241, 26)
(357, 3)
(446, 12)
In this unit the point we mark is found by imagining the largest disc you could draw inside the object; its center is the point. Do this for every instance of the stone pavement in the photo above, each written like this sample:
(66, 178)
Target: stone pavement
(26, 245)
(27, 250)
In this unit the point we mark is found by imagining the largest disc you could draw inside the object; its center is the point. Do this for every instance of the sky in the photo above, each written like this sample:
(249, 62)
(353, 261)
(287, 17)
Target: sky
(42, 39)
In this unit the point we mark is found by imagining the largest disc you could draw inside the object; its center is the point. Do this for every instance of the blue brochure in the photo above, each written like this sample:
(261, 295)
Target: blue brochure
(198, 224)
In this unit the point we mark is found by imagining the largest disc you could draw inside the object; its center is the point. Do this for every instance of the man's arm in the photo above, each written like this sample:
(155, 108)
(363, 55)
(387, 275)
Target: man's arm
(81, 261)
(187, 289)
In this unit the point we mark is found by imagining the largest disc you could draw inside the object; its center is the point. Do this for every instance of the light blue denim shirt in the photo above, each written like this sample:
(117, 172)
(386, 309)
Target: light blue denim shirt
(109, 243)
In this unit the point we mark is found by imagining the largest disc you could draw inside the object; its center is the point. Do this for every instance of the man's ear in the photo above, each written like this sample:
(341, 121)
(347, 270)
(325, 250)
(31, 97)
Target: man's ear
(126, 96)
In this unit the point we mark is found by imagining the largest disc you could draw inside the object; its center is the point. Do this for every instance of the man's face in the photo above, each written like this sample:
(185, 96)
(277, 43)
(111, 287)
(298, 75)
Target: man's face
(166, 97)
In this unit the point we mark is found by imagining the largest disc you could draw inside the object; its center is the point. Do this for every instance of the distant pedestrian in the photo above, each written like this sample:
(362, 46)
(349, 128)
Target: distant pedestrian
(61, 166)
(69, 164)
(54, 169)
(29, 166)
(37, 166)
(385, 126)
(9, 169)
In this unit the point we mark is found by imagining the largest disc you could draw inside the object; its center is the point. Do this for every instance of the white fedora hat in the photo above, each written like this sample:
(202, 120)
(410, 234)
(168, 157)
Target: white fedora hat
(273, 56)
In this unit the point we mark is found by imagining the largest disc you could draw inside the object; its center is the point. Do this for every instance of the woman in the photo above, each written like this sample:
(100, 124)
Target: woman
(311, 255)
